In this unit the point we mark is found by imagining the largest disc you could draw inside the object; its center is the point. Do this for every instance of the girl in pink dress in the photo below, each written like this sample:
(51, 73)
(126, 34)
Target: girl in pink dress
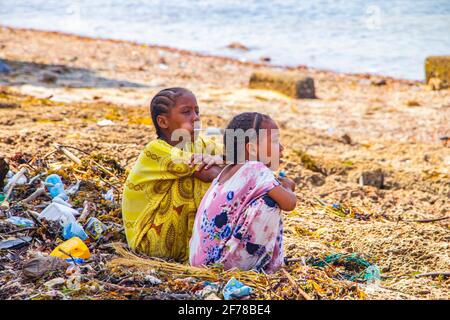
(238, 222)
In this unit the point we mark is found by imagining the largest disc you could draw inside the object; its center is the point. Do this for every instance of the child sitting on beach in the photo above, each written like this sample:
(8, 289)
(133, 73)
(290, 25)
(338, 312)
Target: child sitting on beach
(164, 188)
(238, 222)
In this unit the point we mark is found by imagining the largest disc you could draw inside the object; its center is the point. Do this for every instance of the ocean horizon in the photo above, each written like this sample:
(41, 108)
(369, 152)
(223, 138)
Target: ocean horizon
(390, 38)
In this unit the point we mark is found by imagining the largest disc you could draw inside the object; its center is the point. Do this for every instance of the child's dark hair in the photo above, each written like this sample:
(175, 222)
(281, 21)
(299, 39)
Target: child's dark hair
(244, 121)
(162, 102)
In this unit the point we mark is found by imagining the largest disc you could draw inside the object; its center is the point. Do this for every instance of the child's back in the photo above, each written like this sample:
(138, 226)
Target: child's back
(238, 225)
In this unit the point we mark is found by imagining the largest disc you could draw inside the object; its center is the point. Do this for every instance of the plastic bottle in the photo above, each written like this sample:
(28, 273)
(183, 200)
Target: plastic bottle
(57, 190)
(74, 247)
(21, 222)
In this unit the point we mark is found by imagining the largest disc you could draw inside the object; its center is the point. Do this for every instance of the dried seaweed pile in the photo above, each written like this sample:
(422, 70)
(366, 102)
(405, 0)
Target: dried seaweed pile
(112, 272)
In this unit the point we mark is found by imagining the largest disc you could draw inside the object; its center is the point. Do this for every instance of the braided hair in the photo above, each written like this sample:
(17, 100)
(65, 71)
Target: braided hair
(162, 102)
(244, 121)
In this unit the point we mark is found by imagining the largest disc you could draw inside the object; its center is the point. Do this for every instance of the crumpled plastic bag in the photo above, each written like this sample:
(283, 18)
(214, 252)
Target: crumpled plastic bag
(235, 289)
(37, 267)
(74, 229)
(58, 212)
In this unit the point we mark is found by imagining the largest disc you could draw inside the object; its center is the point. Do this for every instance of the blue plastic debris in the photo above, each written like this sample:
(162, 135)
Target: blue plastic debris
(282, 174)
(372, 274)
(4, 68)
(236, 289)
(109, 195)
(15, 243)
(76, 260)
(57, 188)
(20, 222)
(74, 229)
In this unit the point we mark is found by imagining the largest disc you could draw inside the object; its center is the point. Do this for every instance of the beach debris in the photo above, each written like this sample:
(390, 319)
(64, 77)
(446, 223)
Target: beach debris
(265, 59)
(345, 138)
(109, 196)
(378, 82)
(16, 243)
(4, 68)
(237, 46)
(67, 153)
(55, 187)
(37, 267)
(74, 229)
(286, 82)
(445, 140)
(95, 228)
(163, 66)
(59, 212)
(210, 291)
(76, 261)
(20, 222)
(105, 122)
(373, 178)
(235, 289)
(36, 194)
(355, 267)
(48, 77)
(152, 280)
(17, 179)
(54, 282)
(343, 210)
(72, 248)
(64, 203)
(87, 210)
(73, 189)
(74, 282)
(434, 274)
(372, 274)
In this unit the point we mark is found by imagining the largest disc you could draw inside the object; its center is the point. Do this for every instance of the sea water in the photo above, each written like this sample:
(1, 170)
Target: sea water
(388, 37)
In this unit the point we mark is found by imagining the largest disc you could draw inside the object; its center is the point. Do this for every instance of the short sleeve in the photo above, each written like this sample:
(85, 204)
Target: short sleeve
(264, 178)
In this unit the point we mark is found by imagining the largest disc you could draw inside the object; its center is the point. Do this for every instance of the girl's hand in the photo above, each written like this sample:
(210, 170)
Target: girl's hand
(206, 161)
(287, 183)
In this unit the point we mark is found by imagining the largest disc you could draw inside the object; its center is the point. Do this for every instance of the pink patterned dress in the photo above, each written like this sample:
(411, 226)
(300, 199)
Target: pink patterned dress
(238, 224)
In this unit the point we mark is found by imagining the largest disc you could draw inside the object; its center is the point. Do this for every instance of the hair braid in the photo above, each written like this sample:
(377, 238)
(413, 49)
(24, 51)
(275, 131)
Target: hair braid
(244, 121)
(162, 102)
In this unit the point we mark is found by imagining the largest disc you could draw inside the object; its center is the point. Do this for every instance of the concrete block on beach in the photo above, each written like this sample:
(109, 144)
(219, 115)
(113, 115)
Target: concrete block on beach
(286, 82)
(437, 72)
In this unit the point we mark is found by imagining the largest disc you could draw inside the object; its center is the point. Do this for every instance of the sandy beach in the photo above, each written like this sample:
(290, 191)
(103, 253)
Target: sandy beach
(61, 85)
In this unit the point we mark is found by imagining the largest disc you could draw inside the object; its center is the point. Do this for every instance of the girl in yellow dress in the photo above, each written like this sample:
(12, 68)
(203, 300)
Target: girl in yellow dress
(164, 188)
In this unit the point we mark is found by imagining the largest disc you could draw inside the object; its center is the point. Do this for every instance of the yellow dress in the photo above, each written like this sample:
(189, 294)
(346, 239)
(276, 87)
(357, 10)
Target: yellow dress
(161, 197)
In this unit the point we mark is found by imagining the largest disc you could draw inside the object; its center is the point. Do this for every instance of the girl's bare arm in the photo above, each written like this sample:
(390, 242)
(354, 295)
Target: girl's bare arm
(285, 198)
(208, 175)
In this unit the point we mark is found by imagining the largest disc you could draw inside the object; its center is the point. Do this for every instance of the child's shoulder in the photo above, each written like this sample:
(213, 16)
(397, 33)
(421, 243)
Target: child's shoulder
(256, 164)
(257, 167)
